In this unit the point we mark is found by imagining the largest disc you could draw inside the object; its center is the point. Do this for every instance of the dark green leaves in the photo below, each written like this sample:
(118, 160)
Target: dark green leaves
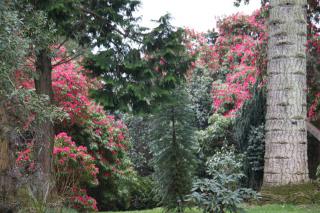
(138, 79)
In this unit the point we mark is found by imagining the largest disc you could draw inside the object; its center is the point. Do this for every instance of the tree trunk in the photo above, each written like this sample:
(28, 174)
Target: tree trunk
(8, 179)
(44, 139)
(286, 159)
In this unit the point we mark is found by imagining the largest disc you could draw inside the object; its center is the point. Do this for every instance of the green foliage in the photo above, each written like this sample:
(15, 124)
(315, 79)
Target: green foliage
(140, 154)
(14, 44)
(142, 194)
(255, 148)
(200, 92)
(12, 47)
(248, 132)
(318, 173)
(270, 208)
(173, 148)
(251, 115)
(92, 23)
(139, 79)
(255, 155)
(216, 134)
(221, 192)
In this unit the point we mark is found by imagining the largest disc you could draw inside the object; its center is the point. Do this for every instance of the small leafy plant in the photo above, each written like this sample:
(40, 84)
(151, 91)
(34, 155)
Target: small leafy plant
(221, 191)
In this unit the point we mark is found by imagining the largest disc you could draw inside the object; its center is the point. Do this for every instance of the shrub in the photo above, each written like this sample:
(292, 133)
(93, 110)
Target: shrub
(221, 191)
(255, 156)
(73, 165)
(216, 134)
(81, 201)
(142, 194)
(74, 168)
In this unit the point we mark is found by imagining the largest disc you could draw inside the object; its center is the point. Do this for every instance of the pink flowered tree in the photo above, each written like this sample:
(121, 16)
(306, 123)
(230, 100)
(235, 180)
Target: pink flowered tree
(100, 140)
(74, 168)
(238, 47)
(234, 59)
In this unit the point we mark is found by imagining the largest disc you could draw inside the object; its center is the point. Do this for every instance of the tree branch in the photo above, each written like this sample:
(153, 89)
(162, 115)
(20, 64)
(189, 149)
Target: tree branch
(313, 130)
(67, 59)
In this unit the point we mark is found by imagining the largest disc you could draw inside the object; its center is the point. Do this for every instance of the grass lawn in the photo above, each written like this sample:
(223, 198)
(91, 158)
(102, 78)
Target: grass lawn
(274, 208)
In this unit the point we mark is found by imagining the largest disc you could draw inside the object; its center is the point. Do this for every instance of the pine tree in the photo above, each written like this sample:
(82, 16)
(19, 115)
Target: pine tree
(173, 147)
(142, 77)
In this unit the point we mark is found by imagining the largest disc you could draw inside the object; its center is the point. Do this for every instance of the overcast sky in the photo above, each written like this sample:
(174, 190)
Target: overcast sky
(200, 15)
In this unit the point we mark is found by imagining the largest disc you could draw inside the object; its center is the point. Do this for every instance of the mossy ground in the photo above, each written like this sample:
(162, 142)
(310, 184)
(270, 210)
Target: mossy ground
(302, 194)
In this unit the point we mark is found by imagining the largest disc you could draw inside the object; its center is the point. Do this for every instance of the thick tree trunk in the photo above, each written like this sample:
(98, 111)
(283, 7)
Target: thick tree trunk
(8, 179)
(43, 147)
(286, 158)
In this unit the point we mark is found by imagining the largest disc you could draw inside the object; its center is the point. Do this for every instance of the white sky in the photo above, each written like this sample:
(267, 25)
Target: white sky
(200, 15)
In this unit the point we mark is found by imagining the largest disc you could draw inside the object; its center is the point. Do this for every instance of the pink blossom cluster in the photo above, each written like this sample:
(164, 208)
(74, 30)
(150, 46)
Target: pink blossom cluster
(198, 45)
(81, 201)
(234, 57)
(71, 88)
(237, 47)
(72, 159)
(24, 160)
(313, 45)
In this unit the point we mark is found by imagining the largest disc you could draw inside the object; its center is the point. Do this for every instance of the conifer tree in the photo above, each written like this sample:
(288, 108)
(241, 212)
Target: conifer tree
(173, 148)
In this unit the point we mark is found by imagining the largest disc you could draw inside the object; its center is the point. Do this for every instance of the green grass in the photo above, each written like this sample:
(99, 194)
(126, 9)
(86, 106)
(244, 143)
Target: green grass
(157, 210)
(278, 208)
(272, 208)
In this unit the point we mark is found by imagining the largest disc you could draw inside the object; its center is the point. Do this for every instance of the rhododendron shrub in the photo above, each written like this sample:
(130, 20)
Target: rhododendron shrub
(95, 133)
(238, 58)
(238, 48)
(81, 201)
(237, 66)
(107, 141)
(73, 165)
(199, 45)
(74, 168)
(104, 136)
(90, 126)
(232, 59)
(313, 68)
(25, 161)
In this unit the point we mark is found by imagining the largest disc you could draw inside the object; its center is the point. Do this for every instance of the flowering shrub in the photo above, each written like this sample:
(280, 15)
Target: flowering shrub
(107, 141)
(71, 91)
(81, 201)
(104, 137)
(233, 59)
(73, 167)
(313, 67)
(25, 160)
(110, 141)
(238, 48)
(201, 46)
(238, 58)
(72, 164)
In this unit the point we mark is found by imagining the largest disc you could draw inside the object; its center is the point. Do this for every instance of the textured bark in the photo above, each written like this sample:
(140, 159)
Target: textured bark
(8, 180)
(286, 158)
(43, 147)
